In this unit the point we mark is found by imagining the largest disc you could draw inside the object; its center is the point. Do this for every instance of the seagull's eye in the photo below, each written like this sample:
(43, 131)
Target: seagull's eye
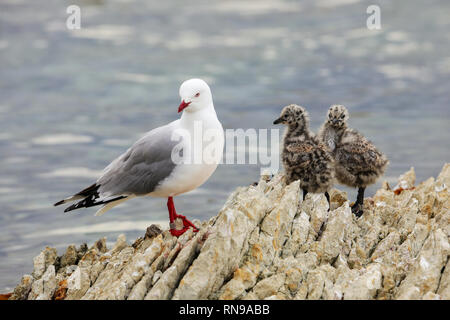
(197, 94)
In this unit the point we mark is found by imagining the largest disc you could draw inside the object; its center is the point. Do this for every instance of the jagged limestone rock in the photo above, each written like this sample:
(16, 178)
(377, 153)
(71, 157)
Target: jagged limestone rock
(266, 243)
(41, 262)
(406, 180)
(425, 274)
(44, 288)
(365, 285)
(22, 290)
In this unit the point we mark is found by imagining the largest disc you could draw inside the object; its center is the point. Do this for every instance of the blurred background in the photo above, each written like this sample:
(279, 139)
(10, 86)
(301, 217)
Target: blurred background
(73, 100)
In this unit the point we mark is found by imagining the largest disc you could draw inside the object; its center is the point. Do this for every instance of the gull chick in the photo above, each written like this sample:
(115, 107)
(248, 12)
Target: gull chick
(160, 164)
(358, 162)
(304, 157)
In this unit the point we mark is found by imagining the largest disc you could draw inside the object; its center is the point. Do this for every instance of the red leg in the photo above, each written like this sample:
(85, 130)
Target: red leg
(173, 216)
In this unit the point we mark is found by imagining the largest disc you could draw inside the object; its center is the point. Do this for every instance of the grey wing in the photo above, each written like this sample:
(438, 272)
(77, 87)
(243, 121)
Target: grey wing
(142, 167)
(300, 154)
(359, 154)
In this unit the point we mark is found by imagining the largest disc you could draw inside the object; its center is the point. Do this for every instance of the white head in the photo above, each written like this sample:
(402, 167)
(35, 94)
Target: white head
(195, 95)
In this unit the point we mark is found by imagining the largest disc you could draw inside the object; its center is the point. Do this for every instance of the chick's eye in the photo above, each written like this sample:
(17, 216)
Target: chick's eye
(197, 94)
(342, 117)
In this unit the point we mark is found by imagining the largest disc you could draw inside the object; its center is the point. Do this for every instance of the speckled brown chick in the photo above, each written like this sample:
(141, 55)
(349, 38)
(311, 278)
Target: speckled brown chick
(358, 162)
(304, 157)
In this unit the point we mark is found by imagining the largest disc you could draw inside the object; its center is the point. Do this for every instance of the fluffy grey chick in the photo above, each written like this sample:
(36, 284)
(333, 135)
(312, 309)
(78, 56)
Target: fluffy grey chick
(358, 163)
(304, 157)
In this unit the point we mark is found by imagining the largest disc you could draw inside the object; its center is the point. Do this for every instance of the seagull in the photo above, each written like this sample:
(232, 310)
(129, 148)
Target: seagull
(167, 161)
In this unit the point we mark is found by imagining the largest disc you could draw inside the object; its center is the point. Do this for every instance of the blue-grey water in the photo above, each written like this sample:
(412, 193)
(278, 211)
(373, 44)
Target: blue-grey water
(73, 100)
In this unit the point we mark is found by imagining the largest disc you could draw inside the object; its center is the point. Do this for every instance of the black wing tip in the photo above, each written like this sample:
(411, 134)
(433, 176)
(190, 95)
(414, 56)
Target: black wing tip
(78, 205)
(89, 202)
(87, 192)
(69, 209)
(58, 203)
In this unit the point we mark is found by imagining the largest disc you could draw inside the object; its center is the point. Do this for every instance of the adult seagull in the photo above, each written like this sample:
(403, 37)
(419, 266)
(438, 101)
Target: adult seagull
(166, 161)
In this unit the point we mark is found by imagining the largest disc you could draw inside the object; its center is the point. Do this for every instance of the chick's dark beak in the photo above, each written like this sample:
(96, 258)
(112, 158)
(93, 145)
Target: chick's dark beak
(277, 121)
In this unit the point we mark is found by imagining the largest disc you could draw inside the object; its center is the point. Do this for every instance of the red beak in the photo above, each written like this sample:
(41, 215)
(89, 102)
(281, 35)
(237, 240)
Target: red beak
(182, 106)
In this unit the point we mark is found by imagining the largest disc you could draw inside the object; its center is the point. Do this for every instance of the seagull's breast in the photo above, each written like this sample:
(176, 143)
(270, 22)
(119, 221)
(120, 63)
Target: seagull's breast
(202, 142)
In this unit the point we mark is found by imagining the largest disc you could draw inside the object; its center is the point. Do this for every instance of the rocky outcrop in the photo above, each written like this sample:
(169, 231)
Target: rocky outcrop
(266, 243)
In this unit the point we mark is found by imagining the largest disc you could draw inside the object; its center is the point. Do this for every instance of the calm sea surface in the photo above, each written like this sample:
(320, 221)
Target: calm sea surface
(71, 101)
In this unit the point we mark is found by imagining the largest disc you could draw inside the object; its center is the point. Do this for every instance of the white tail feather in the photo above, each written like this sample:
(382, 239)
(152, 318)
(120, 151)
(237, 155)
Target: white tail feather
(111, 205)
(72, 198)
